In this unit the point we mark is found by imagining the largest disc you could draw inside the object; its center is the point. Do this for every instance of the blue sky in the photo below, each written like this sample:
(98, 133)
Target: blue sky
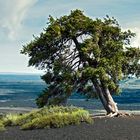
(21, 19)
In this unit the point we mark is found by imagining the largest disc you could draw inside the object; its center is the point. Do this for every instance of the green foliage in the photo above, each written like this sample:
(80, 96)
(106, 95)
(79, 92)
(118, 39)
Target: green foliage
(47, 117)
(57, 120)
(2, 128)
(11, 119)
(75, 50)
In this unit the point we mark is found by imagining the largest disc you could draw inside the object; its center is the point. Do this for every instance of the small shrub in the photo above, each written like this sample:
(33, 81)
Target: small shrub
(2, 127)
(57, 116)
(48, 117)
(10, 119)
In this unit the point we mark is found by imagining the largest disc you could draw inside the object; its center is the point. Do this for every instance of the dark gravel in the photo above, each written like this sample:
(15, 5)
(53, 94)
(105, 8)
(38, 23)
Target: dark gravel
(127, 128)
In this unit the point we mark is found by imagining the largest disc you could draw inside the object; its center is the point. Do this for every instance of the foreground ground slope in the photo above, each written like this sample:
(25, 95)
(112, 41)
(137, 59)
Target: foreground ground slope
(127, 128)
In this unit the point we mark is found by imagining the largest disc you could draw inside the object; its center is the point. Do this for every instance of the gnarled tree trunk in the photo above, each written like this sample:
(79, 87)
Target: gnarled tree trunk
(104, 94)
(110, 103)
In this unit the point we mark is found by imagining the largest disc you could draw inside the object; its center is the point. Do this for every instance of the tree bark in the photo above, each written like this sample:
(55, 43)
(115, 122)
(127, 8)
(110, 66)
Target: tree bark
(110, 103)
(106, 98)
(101, 95)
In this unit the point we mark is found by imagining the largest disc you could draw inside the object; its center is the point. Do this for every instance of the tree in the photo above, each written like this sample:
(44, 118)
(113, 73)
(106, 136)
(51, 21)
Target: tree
(83, 55)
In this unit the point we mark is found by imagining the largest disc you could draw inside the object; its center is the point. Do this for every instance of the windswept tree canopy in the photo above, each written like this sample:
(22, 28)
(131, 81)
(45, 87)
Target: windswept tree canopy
(77, 52)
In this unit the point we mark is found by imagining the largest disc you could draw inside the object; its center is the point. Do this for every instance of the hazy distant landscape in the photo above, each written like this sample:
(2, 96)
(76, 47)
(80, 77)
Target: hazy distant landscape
(22, 90)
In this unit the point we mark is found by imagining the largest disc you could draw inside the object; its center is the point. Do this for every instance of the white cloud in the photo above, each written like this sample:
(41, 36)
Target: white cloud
(136, 40)
(12, 13)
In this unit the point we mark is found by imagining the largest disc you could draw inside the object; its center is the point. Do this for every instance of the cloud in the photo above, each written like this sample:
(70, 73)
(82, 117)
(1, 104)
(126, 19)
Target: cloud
(12, 13)
(136, 40)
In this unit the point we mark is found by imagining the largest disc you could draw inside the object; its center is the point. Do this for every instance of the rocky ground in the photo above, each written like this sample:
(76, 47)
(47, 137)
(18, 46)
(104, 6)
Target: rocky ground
(121, 128)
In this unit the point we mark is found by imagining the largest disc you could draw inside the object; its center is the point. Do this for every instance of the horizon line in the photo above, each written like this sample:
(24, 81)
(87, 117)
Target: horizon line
(22, 73)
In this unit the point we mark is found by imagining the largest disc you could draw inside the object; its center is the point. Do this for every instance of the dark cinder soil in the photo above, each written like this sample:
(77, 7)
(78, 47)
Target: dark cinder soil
(127, 128)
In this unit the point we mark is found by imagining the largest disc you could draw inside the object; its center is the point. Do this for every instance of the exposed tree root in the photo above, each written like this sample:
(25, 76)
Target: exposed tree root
(118, 114)
(111, 115)
(123, 114)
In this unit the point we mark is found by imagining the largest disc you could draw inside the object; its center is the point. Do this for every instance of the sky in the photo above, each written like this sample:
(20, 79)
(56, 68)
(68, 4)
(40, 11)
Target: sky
(21, 19)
